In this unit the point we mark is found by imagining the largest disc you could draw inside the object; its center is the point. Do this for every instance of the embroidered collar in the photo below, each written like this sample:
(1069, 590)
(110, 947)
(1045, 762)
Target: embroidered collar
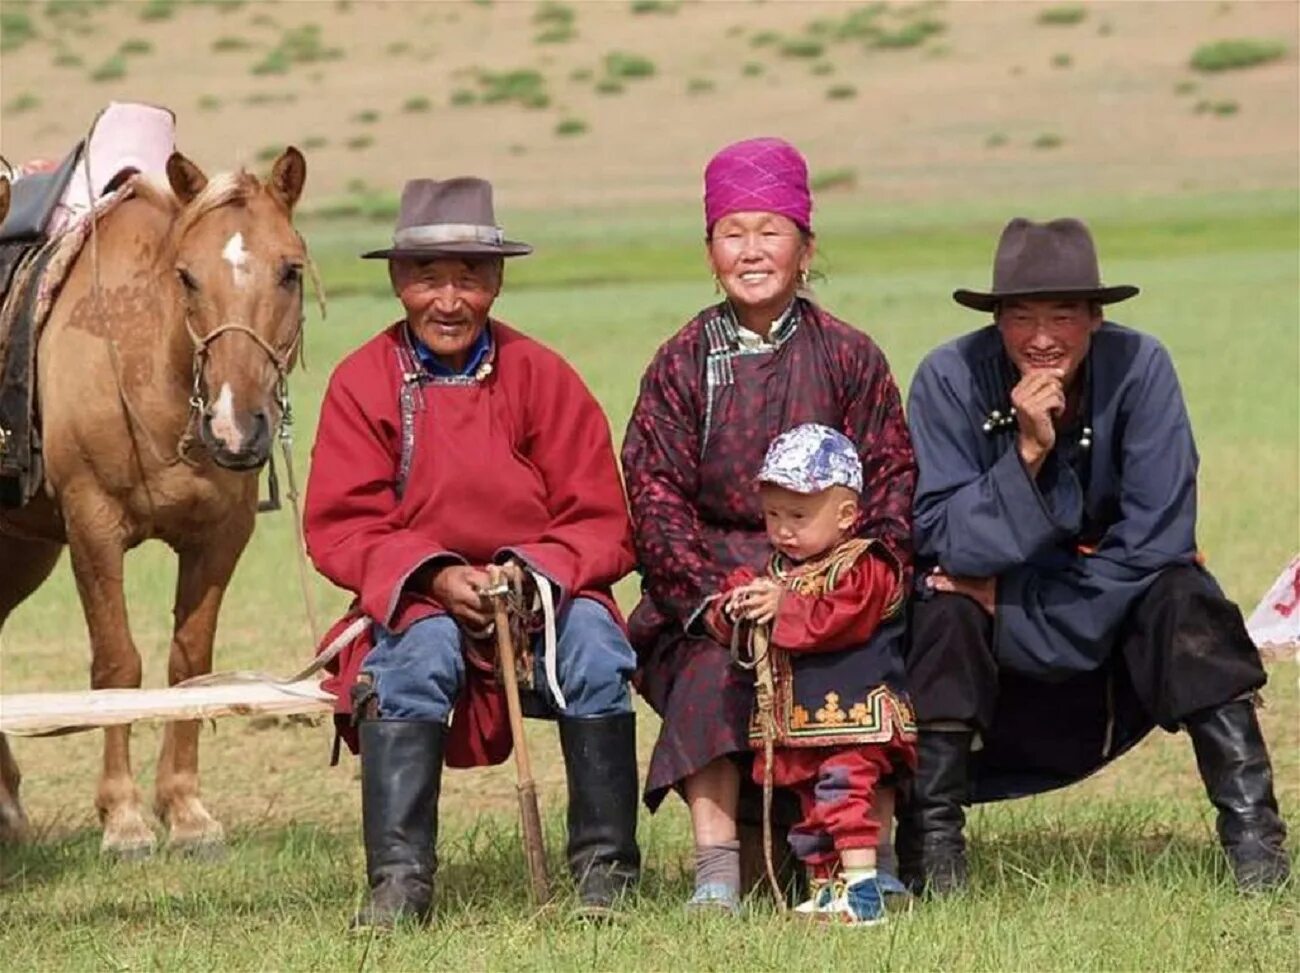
(743, 340)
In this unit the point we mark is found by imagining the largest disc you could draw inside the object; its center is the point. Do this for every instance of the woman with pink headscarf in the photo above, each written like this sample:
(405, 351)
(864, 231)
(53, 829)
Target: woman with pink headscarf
(765, 359)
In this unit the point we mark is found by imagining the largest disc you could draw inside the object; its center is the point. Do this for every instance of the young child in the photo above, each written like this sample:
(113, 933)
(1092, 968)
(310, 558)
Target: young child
(833, 604)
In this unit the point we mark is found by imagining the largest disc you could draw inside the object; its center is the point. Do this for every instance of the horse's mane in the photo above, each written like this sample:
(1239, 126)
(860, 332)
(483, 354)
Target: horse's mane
(222, 189)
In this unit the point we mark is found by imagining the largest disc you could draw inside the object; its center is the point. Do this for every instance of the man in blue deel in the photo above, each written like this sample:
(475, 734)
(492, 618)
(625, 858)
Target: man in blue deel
(1061, 609)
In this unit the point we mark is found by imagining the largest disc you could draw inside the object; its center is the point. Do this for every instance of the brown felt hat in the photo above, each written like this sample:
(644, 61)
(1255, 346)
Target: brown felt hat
(1055, 259)
(448, 218)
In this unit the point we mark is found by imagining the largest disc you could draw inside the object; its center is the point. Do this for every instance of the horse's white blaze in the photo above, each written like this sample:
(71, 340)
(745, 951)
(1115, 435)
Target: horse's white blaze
(223, 424)
(234, 254)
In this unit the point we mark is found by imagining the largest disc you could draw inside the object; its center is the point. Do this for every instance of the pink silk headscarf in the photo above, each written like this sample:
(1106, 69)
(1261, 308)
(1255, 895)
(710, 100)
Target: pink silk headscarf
(765, 175)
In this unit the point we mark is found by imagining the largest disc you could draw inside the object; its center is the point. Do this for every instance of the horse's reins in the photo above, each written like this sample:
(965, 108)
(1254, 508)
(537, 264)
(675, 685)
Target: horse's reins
(756, 656)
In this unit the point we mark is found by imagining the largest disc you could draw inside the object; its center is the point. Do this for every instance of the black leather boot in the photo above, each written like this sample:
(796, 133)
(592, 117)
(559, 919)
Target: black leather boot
(401, 774)
(930, 844)
(1233, 761)
(600, 760)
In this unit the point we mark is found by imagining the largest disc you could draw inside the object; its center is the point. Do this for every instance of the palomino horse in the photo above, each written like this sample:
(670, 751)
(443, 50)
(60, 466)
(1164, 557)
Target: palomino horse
(161, 375)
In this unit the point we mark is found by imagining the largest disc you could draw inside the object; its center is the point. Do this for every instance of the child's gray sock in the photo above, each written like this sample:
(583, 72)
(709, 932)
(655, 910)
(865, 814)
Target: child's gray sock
(718, 865)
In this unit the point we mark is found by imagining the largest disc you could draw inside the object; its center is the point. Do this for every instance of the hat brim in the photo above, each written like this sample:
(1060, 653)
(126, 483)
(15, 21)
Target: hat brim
(980, 301)
(507, 248)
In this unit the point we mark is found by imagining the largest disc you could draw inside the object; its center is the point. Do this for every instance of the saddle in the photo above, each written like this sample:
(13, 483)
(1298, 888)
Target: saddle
(49, 217)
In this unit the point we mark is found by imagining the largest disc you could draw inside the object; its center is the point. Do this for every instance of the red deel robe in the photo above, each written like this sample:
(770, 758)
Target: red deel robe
(518, 464)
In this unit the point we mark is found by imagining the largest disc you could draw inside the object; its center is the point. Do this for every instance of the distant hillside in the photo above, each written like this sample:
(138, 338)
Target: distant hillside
(617, 101)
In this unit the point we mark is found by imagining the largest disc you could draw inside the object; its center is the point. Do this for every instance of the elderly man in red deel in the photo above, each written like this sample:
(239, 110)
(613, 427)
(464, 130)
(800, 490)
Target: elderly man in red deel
(447, 443)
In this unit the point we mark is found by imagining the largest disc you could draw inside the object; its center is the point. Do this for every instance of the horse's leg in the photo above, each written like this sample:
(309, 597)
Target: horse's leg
(98, 551)
(27, 564)
(201, 582)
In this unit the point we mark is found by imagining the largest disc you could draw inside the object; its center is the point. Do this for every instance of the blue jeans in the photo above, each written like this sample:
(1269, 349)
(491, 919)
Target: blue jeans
(418, 673)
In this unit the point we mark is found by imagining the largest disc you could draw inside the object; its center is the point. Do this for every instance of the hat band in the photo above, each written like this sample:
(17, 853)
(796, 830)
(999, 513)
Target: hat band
(436, 233)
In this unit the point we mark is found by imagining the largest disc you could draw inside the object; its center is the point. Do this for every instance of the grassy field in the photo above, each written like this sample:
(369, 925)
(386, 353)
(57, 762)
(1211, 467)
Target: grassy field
(1120, 872)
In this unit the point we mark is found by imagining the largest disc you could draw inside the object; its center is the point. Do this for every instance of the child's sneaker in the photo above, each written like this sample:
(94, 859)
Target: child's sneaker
(821, 895)
(859, 904)
(714, 897)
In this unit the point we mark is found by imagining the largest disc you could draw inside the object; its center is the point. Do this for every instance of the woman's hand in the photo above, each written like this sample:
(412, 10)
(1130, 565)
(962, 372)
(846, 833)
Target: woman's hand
(983, 591)
(755, 602)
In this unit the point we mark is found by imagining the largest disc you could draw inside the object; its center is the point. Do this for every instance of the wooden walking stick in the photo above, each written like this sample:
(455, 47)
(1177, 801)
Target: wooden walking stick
(530, 817)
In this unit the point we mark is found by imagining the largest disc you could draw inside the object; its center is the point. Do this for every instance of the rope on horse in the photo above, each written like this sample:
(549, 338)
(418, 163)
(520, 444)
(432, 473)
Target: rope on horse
(757, 656)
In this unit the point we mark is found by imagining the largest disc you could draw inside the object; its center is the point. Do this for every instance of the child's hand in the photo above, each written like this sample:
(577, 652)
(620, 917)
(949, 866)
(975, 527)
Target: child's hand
(756, 601)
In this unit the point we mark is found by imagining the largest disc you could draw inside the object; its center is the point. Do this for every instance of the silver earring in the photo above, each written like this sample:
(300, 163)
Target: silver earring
(803, 278)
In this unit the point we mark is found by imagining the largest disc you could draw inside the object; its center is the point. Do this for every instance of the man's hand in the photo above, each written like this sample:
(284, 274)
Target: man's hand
(1039, 399)
(756, 601)
(459, 589)
(984, 591)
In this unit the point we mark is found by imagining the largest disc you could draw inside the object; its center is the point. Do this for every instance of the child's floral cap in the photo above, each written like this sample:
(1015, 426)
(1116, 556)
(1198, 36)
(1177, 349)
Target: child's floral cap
(811, 458)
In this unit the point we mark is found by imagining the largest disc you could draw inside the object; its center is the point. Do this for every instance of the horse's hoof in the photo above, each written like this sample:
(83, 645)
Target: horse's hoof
(131, 842)
(208, 847)
(128, 852)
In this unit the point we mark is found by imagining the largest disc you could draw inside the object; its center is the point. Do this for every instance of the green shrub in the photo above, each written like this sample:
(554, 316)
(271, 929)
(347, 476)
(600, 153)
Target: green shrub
(610, 86)
(16, 29)
(822, 68)
(462, 97)
(860, 24)
(1184, 87)
(23, 103)
(580, 74)
(570, 126)
(1230, 55)
(559, 34)
(65, 9)
(416, 104)
(135, 45)
(802, 47)
(111, 70)
(314, 142)
(832, 179)
(398, 48)
(267, 153)
(271, 98)
(619, 64)
(525, 86)
(1061, 60)
(517, 149)
(552, 14)
(699, 86)
(841, 92)
(765, 38)
(303, 45)
(1205, 106)
(751, 69)
(655, 6)
(66, 59)
(358, 142)
(208, 103)
(1063, 15)
(367, 117)
(995, 140)
(909, 35)
(1048, 140)
(158, 10)
(275, 62)
(223, 45)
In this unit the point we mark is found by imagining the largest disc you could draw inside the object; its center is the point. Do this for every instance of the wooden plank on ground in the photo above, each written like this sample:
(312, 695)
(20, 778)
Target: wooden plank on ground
(37, 714)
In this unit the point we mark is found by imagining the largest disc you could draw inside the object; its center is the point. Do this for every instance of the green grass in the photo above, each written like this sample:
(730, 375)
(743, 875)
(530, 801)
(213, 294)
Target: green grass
(1120, 872)
(24, 102)
(625, 66)
(16, 29)
(1063, 15)
(417, 104)
(111, 70)
(1232, 55)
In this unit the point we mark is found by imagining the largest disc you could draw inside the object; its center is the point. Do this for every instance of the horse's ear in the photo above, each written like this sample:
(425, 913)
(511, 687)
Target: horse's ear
(4, 199)
(287, 176)
(187, 180)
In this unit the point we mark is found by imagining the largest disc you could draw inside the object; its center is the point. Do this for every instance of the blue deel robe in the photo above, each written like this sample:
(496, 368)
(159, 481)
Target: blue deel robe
(1114, 504)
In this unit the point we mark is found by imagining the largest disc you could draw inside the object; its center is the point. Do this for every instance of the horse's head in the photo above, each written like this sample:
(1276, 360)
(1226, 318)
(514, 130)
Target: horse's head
(239, 265)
